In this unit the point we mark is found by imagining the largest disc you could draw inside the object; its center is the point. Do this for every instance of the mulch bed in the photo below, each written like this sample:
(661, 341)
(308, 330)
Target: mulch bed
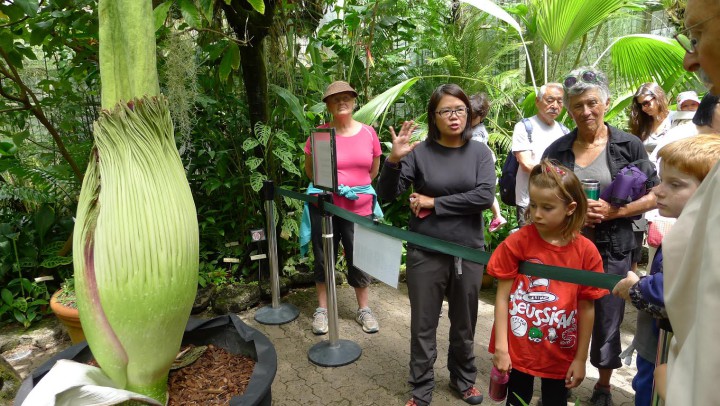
(214, 378)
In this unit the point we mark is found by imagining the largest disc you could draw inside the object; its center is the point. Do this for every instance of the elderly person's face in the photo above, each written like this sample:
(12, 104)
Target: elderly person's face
(340, 104)
(588, 110)
(701, 17)
(550, 104)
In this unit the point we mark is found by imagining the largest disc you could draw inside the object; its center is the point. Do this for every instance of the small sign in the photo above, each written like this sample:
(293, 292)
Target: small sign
(324, 159)
(258, 256)
(232, 260)
(378, 255)
(257, 235)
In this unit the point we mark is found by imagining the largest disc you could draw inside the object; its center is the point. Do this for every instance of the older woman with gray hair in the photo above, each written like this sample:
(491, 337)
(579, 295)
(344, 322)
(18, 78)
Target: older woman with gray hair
(595, 150)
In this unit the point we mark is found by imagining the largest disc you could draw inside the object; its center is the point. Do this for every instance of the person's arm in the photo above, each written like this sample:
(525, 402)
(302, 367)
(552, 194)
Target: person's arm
(309, 166)
(661, 380)
(501, 357)
(399, 168)
(586, 317)
(374, 169)
(610, 212)
(525, 160)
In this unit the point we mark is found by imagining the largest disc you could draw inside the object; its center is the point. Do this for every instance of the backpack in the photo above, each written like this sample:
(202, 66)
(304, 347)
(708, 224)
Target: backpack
(510, 168)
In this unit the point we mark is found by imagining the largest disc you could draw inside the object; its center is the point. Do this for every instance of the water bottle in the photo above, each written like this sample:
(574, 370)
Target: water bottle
(498, 385)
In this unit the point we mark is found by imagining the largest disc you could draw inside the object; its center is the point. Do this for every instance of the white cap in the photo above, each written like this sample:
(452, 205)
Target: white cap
(685, 96)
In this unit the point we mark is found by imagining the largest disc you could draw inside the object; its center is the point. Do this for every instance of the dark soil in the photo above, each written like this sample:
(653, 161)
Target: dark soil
(213, 379)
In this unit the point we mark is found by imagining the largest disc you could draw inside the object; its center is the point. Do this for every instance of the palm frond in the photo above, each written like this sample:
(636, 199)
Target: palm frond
(642, 58)
(378, 106)
(561, 22)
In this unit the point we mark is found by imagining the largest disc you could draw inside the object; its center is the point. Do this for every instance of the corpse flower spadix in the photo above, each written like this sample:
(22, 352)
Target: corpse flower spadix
(135, 246)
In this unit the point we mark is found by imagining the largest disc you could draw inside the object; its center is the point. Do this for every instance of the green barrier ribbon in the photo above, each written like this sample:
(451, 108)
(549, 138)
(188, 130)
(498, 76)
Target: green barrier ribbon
(580, 277)
(296, 195)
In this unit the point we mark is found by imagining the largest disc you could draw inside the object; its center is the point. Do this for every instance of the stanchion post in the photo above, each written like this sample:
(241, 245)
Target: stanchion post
(277, 313)
(334, 352)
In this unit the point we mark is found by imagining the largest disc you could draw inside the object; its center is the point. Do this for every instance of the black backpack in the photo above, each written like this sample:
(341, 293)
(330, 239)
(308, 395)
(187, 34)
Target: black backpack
(510, 168)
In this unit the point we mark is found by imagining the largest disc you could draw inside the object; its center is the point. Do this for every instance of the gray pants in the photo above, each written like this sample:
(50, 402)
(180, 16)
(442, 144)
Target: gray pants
(609, 311)
(432, 276)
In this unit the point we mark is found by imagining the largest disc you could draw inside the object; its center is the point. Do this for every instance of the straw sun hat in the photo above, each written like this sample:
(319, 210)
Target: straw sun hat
(338, 87)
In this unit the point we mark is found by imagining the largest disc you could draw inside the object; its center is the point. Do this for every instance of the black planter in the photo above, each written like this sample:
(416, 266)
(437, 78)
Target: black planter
(228, 332)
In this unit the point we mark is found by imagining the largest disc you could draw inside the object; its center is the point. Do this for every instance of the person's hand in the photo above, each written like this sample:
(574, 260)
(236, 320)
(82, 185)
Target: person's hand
(401, 145)
(593, 217)
(661, 380)
(501, 360)
(419, 202)
(575, 374)
(622, 288)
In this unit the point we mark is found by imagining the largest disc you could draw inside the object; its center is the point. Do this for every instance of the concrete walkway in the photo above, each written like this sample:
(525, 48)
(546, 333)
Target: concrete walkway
(379, 376)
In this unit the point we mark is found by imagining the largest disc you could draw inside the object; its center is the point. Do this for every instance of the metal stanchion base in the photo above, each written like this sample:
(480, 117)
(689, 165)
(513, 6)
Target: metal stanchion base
(342, 353)
(282, 314)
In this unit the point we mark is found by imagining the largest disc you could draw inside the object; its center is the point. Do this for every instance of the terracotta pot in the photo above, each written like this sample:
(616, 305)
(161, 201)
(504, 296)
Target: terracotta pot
(69, 317)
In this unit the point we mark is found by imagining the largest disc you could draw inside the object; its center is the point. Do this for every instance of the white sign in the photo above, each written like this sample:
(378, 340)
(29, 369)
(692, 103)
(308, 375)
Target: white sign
(324, 160)
(378, 255)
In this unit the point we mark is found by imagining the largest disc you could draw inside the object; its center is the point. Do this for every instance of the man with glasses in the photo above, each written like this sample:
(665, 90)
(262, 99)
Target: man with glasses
(692, 261)
(530, 138)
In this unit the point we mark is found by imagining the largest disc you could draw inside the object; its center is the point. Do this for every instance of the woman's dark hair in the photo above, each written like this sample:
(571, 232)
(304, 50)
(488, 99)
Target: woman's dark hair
(706, 109)
(479, 105)
(449, 89)
(641, 124)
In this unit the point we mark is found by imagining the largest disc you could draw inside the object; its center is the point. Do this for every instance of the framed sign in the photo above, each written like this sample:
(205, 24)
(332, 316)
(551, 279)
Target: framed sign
(324, 159)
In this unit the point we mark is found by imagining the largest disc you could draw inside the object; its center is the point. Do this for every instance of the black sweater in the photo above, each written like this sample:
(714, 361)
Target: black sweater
(462, 181)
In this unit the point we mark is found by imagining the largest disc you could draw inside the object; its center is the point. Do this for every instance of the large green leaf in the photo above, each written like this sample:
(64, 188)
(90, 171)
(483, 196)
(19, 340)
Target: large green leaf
(258, 5)
(160, 13)
(642, 58)
(376, 107)
(560, 22)
(190, 13)
(295, 107)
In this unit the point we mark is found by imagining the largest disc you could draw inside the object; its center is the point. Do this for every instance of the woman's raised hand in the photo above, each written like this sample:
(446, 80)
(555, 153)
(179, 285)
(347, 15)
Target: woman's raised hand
(401, 145)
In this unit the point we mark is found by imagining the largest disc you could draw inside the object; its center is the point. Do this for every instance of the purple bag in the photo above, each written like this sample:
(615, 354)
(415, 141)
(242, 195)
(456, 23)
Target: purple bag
(629, 185)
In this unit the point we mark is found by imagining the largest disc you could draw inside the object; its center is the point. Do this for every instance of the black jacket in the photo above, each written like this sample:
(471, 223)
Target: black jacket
(622, 148)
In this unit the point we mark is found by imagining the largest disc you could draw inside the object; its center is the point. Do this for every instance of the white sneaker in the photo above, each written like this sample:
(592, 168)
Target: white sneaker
(367, 320)
(320, 321)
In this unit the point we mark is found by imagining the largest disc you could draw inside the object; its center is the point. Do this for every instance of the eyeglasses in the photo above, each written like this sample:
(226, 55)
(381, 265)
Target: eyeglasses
(587, 77)
(447, 113)
(647, 103)
(690, 44)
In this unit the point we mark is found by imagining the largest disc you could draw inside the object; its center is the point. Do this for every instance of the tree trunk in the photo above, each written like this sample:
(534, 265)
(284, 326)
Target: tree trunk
(252, 26)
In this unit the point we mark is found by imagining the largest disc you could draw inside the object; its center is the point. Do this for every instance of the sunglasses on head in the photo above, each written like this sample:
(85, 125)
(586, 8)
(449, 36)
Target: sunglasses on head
(586, 76)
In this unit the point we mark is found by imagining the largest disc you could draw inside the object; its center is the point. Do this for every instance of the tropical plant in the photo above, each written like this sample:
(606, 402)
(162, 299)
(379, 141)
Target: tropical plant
(136, 236)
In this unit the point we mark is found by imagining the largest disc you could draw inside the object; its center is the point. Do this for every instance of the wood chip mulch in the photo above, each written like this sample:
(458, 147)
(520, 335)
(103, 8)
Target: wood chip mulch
(213, 379)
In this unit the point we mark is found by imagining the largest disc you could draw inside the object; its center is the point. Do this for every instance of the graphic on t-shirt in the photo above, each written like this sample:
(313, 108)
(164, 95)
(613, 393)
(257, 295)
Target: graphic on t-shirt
(535, 334)
(537, 312)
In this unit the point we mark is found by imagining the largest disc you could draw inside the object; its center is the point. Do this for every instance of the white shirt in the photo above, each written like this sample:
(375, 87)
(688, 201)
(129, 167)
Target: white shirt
(542, 136)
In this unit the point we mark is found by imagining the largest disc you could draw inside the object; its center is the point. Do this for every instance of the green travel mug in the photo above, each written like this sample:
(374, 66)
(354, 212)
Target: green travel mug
(591, 188)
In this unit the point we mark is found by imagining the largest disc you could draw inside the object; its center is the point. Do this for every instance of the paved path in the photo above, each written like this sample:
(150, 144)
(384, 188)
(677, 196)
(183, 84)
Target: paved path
(379, 376)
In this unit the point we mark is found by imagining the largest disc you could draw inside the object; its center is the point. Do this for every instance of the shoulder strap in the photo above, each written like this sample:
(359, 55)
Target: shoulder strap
(528, 128)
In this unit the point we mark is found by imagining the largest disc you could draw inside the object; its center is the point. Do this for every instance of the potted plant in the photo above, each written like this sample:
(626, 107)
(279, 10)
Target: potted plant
(64, 304)
(136, 237)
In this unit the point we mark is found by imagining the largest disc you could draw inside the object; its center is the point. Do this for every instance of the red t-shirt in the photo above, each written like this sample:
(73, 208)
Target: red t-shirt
(355, 154)
(542, 320)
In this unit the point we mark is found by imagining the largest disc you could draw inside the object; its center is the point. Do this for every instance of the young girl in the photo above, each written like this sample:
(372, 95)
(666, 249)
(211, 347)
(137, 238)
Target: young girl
(543, 326)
